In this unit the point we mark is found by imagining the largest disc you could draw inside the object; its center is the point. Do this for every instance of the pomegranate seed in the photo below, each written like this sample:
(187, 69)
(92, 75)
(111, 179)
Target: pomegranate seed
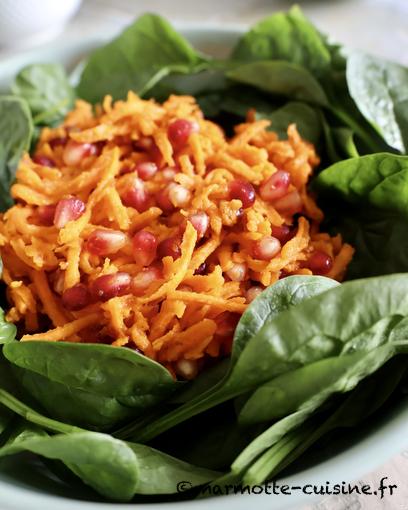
(239, 213)
(252, 293)
(68, 209)
(146, 170)
(144, 246)
(289, 204)
(43, 161)
(163, 201)
(242, 190)
(320, 263)
(168, 173)
(187, 368)
(179, 131)
(145, 278)
(76, 297)
(200, 222)
(170, 247)
(74, 152)
(266, 248)
(58, 141)
(201, 269)
(103, 242)
(136, 196)
(145, 143)
(111, 285)
(179, 196)
(238, 272)
(46, 214)
(226, 323)
(276, 186)
(283, 233)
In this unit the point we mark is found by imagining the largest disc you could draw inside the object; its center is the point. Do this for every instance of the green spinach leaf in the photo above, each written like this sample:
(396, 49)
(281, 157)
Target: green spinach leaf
(304, 116)
(285, 36)
(366, 200)
(380, 90)
(47, 91)
(16, 130)
(7, 330)
(147, 51)
(87, 384)
(280, 78)
(115, 469)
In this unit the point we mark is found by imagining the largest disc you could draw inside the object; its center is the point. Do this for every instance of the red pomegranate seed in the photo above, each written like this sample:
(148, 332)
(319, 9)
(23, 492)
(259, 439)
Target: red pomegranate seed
(187, 368)
(200, 222)
(43, 161)
(145, 278)
(46, 214)
(168, 173)
(320, 263)
(179, 196)
(238, 272)
(242, 190)
(163, 201)
(146, 170)
(68, 209)
(58, 141)
(201, 269)
(266, 248)
(104, 242)
(289, 204)
(76, 297)
(136, 196)
(74, 152)
(111, 285)
(144, 246)
(145, 143)
(283, 233)
(252, 293)
(179, 131)
(170, 247)
(276, 186)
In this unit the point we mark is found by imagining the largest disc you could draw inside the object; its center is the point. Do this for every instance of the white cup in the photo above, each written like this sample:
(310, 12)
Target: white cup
(30, 22)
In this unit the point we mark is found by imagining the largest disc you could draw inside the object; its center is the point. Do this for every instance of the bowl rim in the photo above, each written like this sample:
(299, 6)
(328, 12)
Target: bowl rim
(356, 460)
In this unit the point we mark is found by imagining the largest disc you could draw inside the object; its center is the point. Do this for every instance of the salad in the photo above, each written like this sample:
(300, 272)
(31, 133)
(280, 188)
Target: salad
(174, 232)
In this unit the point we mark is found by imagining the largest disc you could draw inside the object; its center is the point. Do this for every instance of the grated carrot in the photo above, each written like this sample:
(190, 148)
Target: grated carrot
(176, 317)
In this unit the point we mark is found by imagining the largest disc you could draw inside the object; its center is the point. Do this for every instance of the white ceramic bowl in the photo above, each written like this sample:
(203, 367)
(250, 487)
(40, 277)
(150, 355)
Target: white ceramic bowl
(29, 22)
(363, 452)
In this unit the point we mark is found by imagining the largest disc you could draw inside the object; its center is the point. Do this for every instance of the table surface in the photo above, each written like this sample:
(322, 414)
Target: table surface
(362, 24)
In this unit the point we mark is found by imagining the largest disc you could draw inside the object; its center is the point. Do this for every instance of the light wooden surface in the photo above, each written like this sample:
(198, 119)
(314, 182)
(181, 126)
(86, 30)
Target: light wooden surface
(377, 26)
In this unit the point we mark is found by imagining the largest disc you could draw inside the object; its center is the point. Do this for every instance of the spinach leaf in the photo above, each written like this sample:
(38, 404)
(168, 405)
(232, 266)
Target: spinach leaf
(7, 330)
(285, 36)
(301, 336)
(369, 396)
(380, 180)
(291, 290)
(16, 130)
(380, 90)
(274, 300)
(347, 372)
(366, 200)
(115, 469)
(281, 78)
(293, 112)
(147, 51)
(90, 385)
(47, 91)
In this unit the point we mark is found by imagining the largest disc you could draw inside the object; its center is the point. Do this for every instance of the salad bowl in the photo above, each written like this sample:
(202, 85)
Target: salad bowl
(342, 459)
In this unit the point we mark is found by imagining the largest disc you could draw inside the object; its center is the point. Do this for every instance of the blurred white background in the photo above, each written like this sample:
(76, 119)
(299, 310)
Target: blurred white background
(377, 26)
